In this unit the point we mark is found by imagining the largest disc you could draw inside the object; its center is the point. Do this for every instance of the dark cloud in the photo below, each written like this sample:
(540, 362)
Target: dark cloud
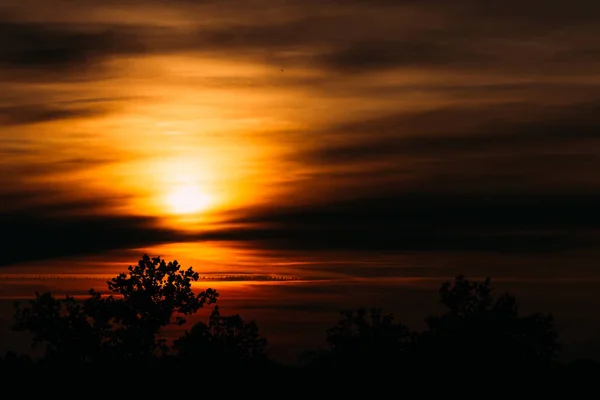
(510, 15)
(37, 45)
(309, 30)
(505, 130)
(428, 222)
(470, 35)
(16, 173)
(518, 178)
(553, 13)
(32, 114)
(359, 37)
(39, 234)
(432, 211)
(456, 119)
(399, 222)
(410, 53)
(535, 141)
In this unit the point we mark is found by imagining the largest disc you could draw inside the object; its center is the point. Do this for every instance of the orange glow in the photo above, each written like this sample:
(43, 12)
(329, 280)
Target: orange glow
(187, 199)
(189, 137)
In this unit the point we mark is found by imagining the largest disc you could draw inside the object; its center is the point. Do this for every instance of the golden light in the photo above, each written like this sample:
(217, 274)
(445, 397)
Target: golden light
(188, 199)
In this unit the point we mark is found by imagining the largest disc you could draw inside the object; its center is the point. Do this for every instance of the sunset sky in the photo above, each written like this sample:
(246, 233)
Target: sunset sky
(366, 140)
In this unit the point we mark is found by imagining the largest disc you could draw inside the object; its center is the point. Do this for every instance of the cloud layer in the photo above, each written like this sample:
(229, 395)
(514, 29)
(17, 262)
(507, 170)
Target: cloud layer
(408, 126)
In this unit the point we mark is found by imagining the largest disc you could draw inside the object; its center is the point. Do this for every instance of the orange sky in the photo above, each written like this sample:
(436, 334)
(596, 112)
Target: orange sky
(146, 109)
(339, 140)
(298, 127)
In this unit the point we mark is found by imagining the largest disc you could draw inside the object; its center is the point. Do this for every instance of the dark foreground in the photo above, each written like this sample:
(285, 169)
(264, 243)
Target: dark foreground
(111, 344)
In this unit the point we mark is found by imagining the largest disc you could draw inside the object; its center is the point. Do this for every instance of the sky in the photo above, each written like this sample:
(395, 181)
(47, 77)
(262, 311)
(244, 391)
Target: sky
(362, 140)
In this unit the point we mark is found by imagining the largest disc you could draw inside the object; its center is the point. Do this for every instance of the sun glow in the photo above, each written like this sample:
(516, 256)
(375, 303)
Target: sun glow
(188, 199)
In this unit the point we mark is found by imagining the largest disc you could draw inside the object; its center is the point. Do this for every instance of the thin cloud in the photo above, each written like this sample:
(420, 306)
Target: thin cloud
(33, 114)
(375, 55)
(351, 39)
(37, 45)
(502, 131)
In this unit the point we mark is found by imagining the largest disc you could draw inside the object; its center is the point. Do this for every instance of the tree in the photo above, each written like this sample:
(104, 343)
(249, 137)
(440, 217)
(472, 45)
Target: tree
(363, 339)
(478, 330)
(122, 326)
(227, 339)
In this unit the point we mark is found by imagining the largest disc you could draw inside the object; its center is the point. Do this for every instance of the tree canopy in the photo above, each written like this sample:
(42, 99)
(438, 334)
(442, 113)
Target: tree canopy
(125, 324)
(477, 331)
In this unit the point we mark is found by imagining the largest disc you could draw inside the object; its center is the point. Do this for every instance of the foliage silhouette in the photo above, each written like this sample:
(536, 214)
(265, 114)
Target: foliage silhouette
(122, 326)
(225, 339)
(476, 334)
(478, 330)
(362, 338)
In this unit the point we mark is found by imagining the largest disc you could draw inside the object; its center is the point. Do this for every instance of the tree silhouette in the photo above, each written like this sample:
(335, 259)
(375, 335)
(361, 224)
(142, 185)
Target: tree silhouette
(15, 362)
(122, 326)
(225, 339)
(478, 330)
(361, 339)
(478, 333)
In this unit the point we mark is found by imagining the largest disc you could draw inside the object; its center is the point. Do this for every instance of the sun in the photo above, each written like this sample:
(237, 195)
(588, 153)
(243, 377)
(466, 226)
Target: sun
(187, 199)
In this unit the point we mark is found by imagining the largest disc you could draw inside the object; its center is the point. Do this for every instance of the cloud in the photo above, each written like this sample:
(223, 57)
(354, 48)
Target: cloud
(17, 176)
(477, 150)
(427, 222)
(398, 222)
(37, 45)
(516, 139)
(515, 178)
(32, 114)
(359, 37)
(364, 37)
(37, 234)
(367, 56)
(534, 140)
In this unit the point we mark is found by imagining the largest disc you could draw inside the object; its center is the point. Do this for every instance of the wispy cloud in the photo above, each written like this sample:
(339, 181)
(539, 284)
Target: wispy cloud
(381, 125)
(38, 46)
(23, 115)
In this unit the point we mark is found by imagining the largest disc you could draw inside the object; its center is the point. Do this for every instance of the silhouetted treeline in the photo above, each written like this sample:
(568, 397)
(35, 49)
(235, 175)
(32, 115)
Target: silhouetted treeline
(477, 334)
